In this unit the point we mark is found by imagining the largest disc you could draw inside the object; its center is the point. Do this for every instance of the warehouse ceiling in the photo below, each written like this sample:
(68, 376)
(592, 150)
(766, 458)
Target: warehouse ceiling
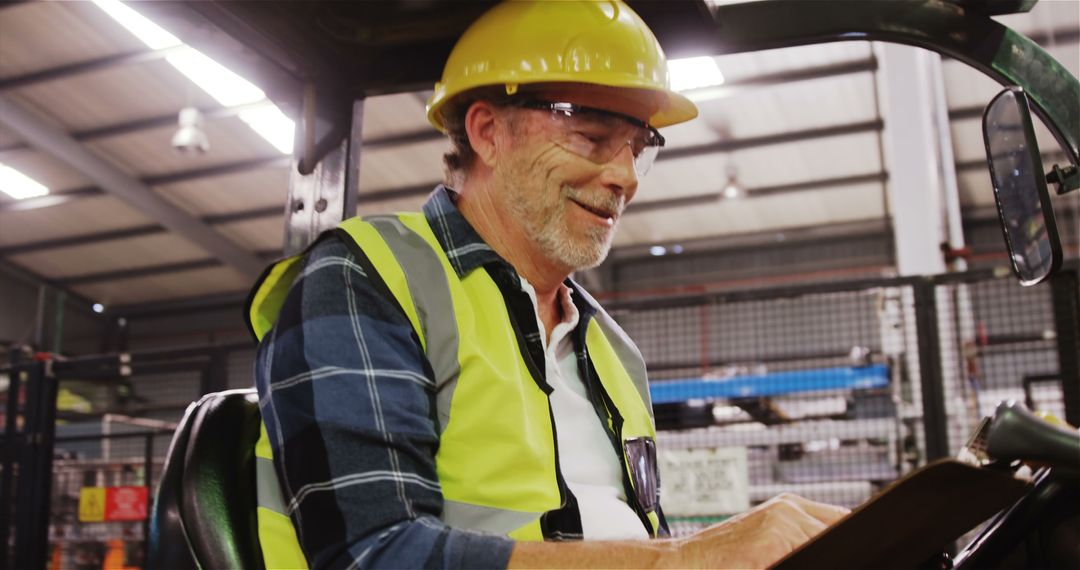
(797, 130)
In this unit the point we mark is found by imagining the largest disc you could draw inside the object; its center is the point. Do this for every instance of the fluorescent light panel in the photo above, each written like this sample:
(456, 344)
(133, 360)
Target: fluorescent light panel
(18, 185)
(694, 73)
(150, 33)
(272, 125)
(225, 86)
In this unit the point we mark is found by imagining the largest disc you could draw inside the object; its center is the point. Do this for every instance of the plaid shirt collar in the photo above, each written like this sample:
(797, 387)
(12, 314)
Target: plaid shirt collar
(466, 250)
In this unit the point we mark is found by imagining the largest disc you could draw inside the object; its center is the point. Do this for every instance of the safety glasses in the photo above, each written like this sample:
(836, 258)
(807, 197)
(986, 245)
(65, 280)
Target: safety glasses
(599, 134)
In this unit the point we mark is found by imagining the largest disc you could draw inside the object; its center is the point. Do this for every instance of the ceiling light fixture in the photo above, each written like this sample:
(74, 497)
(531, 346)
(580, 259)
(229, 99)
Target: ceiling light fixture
(18, 185)
(98, 308)
(733, 189)
(658, 250)
(190, 138)
(221, 83)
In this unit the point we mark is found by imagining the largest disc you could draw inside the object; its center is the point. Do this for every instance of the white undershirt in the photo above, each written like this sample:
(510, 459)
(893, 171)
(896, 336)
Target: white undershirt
(589, 465)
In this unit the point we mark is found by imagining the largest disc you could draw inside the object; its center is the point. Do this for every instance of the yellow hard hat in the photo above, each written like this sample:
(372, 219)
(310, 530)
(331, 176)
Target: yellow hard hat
(520, 42)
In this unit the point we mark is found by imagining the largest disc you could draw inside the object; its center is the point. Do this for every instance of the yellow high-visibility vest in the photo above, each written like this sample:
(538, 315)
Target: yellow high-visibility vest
(487, 399)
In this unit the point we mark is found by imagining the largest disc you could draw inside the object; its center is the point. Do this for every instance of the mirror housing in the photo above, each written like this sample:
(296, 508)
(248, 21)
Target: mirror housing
(1020, 192)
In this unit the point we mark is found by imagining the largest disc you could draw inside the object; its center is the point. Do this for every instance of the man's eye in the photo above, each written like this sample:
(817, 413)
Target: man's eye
(592, 137)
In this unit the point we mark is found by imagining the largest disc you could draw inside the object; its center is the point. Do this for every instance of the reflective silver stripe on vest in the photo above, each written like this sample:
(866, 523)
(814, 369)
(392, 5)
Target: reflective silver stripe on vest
(485, 519)
(429, 287)
(625, 349)
(266, 486)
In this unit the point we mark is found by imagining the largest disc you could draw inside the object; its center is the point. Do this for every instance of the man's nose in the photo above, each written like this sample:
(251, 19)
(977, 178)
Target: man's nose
(619, 174)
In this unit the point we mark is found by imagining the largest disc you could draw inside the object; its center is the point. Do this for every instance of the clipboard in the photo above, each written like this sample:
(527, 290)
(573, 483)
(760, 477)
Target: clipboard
(911, 520)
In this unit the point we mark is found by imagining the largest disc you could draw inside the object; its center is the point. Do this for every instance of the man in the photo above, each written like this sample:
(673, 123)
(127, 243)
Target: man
(435, 390)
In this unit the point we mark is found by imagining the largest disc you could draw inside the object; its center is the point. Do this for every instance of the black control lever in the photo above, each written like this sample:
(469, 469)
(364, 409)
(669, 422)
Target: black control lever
(1017, 434)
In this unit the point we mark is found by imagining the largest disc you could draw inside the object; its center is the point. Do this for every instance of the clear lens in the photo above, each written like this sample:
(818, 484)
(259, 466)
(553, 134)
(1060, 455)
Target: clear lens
(644, 160)
(600, 136)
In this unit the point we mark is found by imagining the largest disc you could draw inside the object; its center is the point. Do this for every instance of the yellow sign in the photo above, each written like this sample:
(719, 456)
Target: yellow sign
(92, 504)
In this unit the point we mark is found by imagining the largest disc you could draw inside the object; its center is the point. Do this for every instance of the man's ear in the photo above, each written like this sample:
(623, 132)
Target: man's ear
(480, 126)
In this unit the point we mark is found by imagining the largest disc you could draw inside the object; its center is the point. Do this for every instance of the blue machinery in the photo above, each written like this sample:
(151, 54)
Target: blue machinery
(773, 384)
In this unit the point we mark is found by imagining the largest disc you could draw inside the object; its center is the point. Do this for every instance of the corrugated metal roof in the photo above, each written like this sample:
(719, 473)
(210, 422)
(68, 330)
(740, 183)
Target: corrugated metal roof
(150, 153)
(230, 193)
(130, 253)
(264, 234)
(41, 35)
(175, 285)
(48, 171)
(86, 216)
(112, 95)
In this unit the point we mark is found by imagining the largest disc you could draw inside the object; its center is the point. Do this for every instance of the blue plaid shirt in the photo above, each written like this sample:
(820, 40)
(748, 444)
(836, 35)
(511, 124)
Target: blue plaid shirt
(348, 400)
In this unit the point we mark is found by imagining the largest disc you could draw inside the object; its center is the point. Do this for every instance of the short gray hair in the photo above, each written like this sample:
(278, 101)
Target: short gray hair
(460, 157)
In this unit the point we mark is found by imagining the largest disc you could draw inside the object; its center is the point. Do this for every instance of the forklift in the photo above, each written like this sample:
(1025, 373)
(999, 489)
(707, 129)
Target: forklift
(319, 60)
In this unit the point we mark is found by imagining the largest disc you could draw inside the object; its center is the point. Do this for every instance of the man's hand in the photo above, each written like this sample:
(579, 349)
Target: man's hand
(754, 539)
(757, 538)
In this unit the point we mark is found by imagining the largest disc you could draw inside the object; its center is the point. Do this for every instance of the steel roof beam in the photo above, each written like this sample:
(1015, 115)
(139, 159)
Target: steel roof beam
(65, 196)
(137, 194)
(149, 270)
(71, 69)
(714, 197)
(48, 200)
(770, 140)
(133, 232)
(217, 301)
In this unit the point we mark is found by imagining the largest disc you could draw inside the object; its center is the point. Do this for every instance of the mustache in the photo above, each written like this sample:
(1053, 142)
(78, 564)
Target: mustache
(612, 204)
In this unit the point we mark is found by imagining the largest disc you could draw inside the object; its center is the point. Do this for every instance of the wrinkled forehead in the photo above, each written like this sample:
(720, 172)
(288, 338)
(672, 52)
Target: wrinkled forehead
(637, 103)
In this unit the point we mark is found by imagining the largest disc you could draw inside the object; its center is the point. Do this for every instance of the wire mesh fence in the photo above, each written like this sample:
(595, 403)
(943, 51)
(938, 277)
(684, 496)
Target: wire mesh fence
(101, 497)
(832, 391)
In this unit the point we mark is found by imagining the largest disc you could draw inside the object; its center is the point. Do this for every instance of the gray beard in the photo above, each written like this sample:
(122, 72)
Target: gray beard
(544, 226)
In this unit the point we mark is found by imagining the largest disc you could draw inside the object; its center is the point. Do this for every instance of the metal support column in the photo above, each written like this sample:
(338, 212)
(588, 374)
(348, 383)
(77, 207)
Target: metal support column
(911, 144)
(935, 419)
(148, 478)
(322, 199)
(915, 137)
(35, 468)
(11, 454)
(1065, 291)
(215, 377)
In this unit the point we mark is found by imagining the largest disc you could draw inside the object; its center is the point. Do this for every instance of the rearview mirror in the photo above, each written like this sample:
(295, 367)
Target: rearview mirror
(1023, 202)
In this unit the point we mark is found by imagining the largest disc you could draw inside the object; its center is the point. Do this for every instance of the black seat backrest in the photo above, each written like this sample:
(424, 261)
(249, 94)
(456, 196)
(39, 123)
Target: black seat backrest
(214, 493)
(168, 544)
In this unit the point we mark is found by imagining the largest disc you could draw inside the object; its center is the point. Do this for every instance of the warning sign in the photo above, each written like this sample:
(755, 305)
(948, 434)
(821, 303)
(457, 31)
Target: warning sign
(704, 481)
(100, 504)
(125, 503)
(92, 504)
